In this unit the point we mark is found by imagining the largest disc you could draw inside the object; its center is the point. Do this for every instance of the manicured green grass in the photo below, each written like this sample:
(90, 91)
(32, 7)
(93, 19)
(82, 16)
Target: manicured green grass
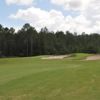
(36, 79)
(79, 56)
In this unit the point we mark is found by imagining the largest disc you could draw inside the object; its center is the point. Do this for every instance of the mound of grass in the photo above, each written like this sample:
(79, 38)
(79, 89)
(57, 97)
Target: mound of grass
(79, 56)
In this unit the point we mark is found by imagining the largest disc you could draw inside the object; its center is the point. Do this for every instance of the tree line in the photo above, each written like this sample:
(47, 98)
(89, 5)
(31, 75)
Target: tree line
(29, 42)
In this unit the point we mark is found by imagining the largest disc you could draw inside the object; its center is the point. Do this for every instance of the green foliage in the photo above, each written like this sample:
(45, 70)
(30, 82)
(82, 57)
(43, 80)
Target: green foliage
(28, 42)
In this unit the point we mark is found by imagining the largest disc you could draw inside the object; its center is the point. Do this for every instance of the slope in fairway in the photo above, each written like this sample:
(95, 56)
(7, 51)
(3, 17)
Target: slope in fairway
(37, 79)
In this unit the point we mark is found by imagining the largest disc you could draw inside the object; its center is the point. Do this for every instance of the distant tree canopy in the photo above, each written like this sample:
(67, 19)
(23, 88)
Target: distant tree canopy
(28, 42)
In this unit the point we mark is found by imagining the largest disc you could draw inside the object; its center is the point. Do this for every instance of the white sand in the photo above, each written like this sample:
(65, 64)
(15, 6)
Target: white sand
(95, 57)
(56, 57)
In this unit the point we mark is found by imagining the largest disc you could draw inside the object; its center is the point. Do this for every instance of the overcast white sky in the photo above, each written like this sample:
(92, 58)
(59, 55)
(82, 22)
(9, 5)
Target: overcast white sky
(73, 15)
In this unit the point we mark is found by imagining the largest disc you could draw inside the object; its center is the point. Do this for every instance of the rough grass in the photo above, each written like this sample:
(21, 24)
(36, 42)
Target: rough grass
(36, 79)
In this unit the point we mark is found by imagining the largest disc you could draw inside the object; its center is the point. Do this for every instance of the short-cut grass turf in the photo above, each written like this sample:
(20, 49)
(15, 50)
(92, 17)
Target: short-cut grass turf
(36, 79)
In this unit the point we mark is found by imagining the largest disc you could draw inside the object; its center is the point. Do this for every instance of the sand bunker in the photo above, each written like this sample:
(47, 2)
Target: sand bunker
(56, 57)
(95, 57)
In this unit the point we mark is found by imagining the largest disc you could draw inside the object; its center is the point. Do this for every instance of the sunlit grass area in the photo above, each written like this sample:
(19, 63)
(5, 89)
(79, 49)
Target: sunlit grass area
(33, 78)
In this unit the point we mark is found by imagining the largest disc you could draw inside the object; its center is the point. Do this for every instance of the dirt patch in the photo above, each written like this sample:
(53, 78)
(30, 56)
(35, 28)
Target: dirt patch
(95, 57)
(56, 57)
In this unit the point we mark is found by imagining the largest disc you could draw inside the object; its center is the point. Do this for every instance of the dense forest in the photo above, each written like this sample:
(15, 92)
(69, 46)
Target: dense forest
(29, 42)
